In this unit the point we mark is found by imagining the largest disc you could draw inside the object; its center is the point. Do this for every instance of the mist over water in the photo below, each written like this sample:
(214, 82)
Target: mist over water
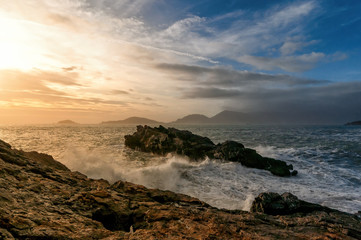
(328, 160)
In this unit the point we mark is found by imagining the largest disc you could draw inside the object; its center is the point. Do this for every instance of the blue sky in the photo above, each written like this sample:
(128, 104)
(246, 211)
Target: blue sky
(329, 29)
(110, 59)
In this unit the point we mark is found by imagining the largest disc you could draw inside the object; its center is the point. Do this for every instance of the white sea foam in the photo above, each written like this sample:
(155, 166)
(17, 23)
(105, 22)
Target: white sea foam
(328, 173)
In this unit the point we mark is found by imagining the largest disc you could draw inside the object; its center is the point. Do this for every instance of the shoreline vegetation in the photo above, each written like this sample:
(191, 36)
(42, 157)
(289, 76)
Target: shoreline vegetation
(41, 198)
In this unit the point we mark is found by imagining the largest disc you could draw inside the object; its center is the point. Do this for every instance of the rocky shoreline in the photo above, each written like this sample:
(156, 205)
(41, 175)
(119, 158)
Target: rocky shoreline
(161, 141)
(41, 198)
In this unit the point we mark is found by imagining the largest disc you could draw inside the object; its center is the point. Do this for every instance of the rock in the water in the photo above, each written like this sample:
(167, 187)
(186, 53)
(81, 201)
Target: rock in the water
(162, 141)
(41, 199)
(285, 204)
(230, 151)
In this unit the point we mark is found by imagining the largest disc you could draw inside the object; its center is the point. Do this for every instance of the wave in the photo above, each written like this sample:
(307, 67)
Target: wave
(328, 163)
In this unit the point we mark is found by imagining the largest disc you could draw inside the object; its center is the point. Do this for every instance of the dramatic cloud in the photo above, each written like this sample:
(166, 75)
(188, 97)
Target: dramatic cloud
(164, 59)
(211, 93)
(221, 76)
(288, 63)
(331, 103)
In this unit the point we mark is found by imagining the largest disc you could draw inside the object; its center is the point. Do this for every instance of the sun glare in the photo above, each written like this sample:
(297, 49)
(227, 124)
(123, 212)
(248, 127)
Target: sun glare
(16, 50)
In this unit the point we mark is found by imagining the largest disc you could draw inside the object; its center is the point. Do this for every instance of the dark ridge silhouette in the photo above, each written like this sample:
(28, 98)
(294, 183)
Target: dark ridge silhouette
(193, 119)
(67, 122)
(355, 123)
(133, 120)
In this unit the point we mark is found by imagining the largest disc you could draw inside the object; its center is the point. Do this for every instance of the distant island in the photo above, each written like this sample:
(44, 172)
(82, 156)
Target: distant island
(224, 117)
(192, 119)
(67, 122)
(133, 120)
(356, 123)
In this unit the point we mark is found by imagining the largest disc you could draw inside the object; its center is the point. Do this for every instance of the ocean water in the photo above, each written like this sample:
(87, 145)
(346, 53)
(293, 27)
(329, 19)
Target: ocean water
(328, 159)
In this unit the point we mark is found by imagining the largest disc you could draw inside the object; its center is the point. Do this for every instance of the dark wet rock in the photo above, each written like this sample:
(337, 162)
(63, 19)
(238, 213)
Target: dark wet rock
(230, 151)
(40, 199)
(161, 140)
(285, 204)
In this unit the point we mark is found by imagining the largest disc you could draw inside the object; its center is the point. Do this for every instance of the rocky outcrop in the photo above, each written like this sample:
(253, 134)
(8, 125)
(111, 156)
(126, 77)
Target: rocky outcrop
(355, 123)
(161, 140)
(41, 199)
(285, 204)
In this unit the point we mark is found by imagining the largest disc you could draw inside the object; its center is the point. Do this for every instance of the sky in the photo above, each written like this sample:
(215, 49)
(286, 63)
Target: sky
(101, 60)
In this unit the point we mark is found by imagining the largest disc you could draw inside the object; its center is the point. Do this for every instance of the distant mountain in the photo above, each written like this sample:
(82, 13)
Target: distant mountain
(230, 117)
(67, 122)
(193, 119)
(134, 120)
(354, 123)
(225, 117)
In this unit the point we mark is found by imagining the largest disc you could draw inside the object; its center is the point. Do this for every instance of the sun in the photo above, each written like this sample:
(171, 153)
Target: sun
(16, 49)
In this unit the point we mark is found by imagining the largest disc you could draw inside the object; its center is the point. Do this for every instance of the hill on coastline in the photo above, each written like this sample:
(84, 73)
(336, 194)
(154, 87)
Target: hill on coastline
(355, 123)
(224, 117)
(67, 122)
(133, 120)
(193, 119)
(227, 117)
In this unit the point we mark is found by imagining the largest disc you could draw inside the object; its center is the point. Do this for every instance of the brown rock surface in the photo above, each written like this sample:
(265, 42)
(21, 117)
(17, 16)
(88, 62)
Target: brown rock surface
(41, 199)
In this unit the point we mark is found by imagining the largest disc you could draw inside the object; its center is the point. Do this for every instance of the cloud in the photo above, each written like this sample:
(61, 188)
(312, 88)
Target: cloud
(122, 45)
(69, 69)
(298, 63)
(119, 92)
(36, 82)
(61, 19)
(201, 38)
(291, 46)
(226, 76)
(121, 8)
(338, 56)
(330, 103)
(37, 87)
(183, 27)
(210, 93)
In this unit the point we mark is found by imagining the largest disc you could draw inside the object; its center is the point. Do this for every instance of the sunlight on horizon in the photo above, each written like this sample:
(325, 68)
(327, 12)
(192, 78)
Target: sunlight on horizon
(119, 59)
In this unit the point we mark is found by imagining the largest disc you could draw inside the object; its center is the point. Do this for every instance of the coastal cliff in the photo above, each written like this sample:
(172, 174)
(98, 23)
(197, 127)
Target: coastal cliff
(41, 198)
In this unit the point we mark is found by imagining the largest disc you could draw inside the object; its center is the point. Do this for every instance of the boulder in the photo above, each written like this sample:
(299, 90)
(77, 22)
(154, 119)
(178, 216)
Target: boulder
(285, 204)
(161, 141)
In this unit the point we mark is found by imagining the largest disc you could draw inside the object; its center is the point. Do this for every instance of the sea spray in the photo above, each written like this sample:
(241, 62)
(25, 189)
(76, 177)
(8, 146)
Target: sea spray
(328, 160)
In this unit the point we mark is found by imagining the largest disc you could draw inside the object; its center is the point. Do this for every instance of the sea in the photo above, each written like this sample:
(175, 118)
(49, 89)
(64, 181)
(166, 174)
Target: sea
(327, 158)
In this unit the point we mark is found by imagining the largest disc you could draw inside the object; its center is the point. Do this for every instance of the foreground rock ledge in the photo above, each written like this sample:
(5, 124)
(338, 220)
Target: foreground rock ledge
(160, 140)
(41, 199)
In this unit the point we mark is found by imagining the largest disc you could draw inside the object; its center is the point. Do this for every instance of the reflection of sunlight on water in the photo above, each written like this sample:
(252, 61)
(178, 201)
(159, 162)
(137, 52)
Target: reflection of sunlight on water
(326, 174)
